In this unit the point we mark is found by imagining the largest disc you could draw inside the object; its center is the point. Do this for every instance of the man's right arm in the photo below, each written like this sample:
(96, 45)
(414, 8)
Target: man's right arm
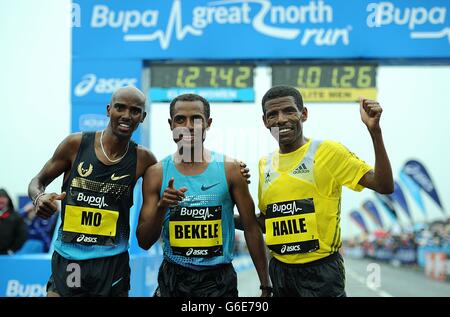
(150, 218)
(253, 236)
(154, 207)
(59, 163)
(260, 218)
(380, 179)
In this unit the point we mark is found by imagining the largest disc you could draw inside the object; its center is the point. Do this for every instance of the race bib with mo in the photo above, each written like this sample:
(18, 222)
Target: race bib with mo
(90, 220)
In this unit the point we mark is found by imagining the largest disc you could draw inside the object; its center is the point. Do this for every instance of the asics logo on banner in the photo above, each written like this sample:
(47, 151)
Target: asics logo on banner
(191, 251)
(290, 248)
(90, 82)
(198, 213)
(85, 239)
(92, 200)
(287, 208)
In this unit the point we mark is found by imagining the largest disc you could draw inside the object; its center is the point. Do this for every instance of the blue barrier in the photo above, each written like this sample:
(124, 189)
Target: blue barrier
(144, 274)
(406, 255)
(384, 254)
(403, 255)
(422, 251)
(32, 246)
(27, 275)
(24, 275)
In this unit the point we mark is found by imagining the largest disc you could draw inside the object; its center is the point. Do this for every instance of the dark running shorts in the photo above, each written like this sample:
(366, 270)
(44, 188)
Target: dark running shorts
(178, 281)
(321, 278)
(108, 276)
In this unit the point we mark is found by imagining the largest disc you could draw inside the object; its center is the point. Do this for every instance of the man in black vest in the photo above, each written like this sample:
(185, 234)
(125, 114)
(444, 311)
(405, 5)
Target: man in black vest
(100, 171)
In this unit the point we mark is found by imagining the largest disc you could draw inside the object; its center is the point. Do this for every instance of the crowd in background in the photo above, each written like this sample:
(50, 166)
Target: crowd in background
(21, 231)
(401, 246)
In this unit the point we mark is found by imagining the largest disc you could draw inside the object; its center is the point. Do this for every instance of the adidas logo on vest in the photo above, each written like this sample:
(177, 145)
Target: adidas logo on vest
(301, 169)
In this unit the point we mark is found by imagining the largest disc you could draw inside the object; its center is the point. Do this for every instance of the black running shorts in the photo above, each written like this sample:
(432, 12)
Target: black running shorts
(178, 281)
(108, 276)
(321, 278)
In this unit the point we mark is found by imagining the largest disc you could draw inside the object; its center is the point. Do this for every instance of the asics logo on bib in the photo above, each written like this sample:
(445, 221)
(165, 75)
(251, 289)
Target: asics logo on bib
(290, 248)
(198, 213)
(286, 208)
(191, 251)
(92, 200)
(86, 239)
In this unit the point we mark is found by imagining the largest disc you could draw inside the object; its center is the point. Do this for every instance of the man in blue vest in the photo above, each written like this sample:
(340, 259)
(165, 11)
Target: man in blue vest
(190, 196)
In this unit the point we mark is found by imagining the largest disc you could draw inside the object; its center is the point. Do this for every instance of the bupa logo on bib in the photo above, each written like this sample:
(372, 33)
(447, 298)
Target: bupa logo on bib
(197, 213)
(290, 208)
(90, 82)
(94, 201)
(287, 208)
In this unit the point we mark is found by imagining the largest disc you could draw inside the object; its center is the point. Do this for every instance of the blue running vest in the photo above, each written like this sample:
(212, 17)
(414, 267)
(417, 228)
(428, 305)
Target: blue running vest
(199, 232)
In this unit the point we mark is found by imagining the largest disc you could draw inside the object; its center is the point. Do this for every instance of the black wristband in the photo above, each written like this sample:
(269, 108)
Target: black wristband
(266, 288)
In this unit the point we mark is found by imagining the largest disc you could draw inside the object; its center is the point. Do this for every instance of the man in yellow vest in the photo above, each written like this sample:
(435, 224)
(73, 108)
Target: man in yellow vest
(299, 194)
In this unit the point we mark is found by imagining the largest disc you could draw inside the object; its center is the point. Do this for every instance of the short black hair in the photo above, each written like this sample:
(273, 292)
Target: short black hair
(191, 97)
(283, 91)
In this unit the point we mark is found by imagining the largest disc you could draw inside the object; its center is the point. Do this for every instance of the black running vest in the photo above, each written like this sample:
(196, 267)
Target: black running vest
(96, 211)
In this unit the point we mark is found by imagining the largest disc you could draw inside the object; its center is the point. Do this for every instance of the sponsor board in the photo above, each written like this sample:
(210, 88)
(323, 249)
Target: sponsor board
(266, 28)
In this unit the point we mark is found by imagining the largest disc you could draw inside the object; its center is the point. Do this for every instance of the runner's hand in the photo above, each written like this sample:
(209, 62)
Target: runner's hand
(370, 111)
(245, 171)
(46, 204)
(171, 196)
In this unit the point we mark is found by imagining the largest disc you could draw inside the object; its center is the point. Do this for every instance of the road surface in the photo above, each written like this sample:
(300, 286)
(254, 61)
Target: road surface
(365, 278)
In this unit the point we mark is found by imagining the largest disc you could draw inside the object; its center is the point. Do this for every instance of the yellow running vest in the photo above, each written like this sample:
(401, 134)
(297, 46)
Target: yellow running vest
(300, 194)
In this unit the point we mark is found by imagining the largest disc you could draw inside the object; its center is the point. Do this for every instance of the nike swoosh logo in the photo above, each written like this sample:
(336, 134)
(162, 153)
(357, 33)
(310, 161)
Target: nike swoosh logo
(116, 281)
(208, 187)
(116, 178)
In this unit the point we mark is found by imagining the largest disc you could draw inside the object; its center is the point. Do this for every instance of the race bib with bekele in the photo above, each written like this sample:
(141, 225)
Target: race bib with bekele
(291, 227)
(196, 231)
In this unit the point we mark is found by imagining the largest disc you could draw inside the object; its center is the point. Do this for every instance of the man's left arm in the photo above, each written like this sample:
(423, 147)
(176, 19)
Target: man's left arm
(380, 179)
(252, 232)
(260, 218)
